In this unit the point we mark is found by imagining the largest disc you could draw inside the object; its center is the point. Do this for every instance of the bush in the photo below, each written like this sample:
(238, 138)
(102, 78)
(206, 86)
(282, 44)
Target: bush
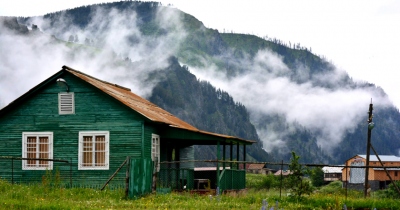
(259, 181)
(333, 188)
(390, 192)
(270, 181)
(317, 177)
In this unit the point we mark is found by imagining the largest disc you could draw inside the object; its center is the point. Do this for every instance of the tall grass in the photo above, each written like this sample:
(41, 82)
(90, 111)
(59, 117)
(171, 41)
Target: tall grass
(51, 196)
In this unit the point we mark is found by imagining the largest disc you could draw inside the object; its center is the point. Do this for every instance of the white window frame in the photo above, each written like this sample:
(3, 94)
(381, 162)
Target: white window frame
(155, 150)
(107, 150)
(25, 136)
(66, 103)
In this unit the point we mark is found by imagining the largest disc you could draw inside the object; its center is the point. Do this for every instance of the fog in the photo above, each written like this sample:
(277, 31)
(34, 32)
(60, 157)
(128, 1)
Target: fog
(112, 36)
(266, 89)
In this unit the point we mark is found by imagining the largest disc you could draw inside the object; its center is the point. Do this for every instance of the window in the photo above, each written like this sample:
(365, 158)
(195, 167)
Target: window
(37, 145)
(93, 150)
(66, 103)
(155, 150)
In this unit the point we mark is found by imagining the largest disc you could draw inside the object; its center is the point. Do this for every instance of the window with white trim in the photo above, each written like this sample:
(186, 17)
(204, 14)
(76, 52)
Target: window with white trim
(37, 147)
(93, 150)
(155, 149)
(66, 103)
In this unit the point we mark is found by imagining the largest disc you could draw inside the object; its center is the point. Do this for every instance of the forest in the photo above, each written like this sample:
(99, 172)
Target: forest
(188, 50)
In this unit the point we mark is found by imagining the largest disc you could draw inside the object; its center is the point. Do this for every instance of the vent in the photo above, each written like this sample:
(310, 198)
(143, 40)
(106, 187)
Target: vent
(66, 103)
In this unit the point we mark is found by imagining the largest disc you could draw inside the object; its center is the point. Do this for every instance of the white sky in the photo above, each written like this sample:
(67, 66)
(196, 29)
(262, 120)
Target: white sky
(361, 37)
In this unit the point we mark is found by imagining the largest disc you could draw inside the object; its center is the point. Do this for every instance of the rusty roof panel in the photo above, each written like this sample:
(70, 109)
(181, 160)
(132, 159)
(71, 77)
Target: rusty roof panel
(141, 105)
(255, 166)
(137, 103)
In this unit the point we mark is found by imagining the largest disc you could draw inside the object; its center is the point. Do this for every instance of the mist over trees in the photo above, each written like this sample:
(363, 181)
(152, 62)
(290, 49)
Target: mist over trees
(279, 94)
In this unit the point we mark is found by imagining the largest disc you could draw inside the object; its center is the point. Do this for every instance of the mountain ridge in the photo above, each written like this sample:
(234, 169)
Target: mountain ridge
(238, 55)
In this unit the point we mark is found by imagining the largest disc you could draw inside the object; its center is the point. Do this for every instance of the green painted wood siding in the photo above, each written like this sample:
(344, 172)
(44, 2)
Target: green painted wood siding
(148, 131)
(94, 111)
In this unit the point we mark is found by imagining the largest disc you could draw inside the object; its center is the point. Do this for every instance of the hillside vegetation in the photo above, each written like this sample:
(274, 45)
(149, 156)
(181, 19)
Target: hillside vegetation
(185, 48)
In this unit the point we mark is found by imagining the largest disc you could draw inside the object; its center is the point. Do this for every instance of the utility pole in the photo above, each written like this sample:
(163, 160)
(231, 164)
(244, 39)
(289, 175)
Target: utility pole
(370, 127)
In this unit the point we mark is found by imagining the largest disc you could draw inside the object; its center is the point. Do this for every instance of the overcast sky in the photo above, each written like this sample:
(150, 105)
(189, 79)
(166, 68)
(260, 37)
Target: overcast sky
(361, 37)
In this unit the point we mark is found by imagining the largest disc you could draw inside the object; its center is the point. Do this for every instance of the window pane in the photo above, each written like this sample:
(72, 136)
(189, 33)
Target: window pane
(43, 150)
(31, 150)
(87, 151)
(100, 151)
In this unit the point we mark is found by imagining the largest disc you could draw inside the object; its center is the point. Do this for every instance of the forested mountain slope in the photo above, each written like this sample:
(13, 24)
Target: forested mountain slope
(280, 94)
(206, 107)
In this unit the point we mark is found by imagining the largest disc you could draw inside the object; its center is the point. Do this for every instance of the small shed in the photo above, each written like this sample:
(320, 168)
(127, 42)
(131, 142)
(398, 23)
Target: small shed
(257, 168)
(332, 173)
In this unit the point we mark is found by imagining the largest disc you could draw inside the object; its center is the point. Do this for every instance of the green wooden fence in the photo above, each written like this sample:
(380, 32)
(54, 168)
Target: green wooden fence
(140, 177)
(231, 179)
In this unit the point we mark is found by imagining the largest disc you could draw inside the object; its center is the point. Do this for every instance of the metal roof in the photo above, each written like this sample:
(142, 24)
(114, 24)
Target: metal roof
(255, 166)
(387, 169)
(384, 158)
(135, 102)
(144, 107)
(328, 169)
(284, 173)
(210, 168)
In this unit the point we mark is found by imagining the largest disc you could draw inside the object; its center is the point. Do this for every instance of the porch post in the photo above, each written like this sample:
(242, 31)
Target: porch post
(237, 155)
(231, 155)
(244, 156)
(218, 157)
(223, 155)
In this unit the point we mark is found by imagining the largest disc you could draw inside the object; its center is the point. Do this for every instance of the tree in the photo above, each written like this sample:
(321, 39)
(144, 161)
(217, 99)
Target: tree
(317, 177)
(71, 38)
(296, 181)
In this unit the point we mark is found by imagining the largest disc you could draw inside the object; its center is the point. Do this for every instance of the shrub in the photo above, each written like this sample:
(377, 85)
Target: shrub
(258, 181)
(317, 177)
(270, 181)
(332, 188)
(390, 192)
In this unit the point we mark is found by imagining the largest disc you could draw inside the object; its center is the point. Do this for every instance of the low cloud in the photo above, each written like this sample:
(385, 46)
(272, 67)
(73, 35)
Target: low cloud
(111, 38)
(264, 86)
(267, 90)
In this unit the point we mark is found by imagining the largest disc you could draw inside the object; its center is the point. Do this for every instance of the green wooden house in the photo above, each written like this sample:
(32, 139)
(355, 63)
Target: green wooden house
(81, 129)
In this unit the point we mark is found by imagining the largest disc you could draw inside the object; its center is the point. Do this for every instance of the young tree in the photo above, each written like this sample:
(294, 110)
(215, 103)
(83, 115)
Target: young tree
(297, 184)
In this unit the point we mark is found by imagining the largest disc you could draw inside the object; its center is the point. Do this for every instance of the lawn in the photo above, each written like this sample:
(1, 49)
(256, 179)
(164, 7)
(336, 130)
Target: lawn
(44, 196)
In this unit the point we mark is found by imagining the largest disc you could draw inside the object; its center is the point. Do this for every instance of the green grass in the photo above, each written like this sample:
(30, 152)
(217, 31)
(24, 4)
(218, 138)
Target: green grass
(46, 197)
